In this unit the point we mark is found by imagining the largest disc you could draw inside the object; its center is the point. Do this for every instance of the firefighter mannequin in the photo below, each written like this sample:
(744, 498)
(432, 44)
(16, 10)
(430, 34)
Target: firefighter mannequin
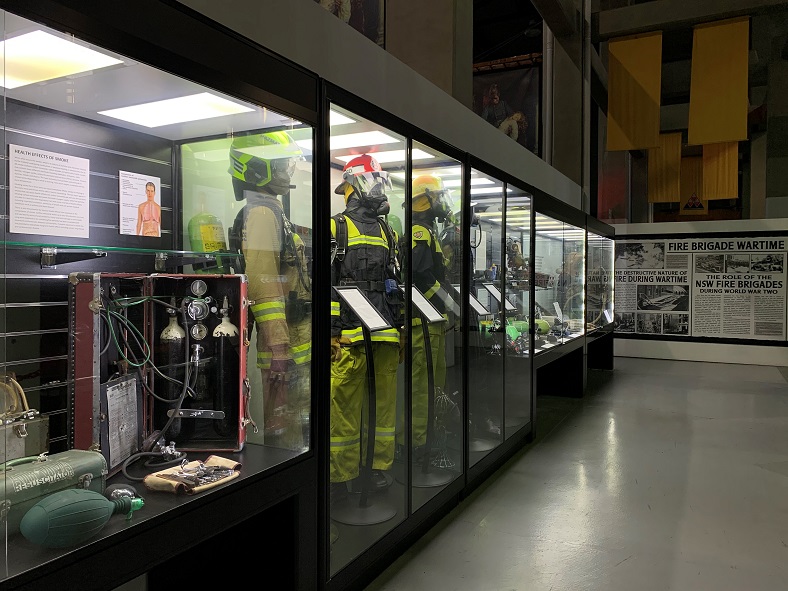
(430, 203)
(261, 167)
(368, 262)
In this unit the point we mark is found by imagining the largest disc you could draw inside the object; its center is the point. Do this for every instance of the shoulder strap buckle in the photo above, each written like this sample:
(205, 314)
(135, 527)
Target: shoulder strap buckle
(339, 244)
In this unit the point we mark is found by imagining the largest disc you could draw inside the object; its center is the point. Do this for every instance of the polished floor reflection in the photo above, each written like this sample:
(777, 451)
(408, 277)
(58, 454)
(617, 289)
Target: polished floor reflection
(667, 475)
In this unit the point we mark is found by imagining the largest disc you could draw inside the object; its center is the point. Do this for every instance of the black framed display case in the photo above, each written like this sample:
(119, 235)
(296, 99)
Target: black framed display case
(175, 275)
(559, 245)
(124, 327)
(600, 289)
(418, 468)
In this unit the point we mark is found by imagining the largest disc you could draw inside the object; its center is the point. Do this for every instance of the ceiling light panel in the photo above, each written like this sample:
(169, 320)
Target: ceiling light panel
(194, 107)
(474, 181)
(39, 56)
(390, 156)
(337, 118)
(364, 138)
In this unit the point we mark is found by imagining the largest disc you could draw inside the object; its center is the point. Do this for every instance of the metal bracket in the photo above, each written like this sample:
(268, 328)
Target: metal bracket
(51, 257)
(165, 261)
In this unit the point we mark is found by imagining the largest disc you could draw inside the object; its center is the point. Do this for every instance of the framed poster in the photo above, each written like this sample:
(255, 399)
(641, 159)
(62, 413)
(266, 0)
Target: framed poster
(368, 17)
(510, 101)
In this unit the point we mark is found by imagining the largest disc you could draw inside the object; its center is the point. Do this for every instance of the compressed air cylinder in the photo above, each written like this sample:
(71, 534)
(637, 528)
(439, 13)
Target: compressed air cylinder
(171, 359)
(72, 516)
(206, 234)
(226, 334)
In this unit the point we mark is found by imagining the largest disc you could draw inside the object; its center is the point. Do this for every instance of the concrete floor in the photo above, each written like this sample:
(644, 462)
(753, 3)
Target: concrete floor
(667, 475)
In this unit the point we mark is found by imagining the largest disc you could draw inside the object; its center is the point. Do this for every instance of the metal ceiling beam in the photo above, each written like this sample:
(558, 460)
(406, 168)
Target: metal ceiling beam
(559, 15)
(671, 14)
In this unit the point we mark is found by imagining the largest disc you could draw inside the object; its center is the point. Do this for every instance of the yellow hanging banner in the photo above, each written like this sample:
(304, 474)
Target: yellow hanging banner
(718, 87)
(692, 202)
(721, 171)
(633, 91)
(664, 169)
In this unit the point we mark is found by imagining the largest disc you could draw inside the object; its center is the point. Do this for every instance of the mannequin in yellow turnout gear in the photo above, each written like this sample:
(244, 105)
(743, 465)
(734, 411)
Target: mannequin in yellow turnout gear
(429, 203)
(261, 167)
(366, 258)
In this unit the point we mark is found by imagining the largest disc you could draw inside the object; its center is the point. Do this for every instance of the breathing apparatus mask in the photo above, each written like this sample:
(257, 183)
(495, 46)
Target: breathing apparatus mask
(364, 177)
(371, 189)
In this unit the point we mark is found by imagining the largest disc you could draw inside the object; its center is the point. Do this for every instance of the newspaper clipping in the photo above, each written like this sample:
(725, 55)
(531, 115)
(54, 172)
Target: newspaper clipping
(704, 287)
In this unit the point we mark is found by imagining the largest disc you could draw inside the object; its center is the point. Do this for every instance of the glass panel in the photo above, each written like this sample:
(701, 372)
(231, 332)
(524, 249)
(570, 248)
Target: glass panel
(549, 263)
(126, 336)
(560, 273)
(435, 348)
(518, 355)
(366, 500)
(485, 347)
(599, 281)
(4, 487)
(251, 194)
(571, 283)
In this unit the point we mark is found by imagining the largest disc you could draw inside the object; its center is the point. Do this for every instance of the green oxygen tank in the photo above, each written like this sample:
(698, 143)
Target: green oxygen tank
(206, 234)
(72, 516)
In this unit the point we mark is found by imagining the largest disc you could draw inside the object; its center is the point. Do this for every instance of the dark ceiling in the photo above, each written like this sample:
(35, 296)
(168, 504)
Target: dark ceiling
(505, 28)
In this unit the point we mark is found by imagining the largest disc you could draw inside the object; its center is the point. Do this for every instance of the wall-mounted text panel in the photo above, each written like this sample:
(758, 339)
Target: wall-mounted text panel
(728, 287)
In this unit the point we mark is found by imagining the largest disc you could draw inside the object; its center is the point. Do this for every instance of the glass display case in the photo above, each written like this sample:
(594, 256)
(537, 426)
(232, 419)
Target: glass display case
(517, 285)
(435, 265)
(487, 317)
(559, 277)
(162, 240)
(157, 291)
(369, 187)
(600, 281)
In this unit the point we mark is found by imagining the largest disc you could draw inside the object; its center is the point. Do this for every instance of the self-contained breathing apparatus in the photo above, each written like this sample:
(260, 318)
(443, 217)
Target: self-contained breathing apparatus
(296, 309)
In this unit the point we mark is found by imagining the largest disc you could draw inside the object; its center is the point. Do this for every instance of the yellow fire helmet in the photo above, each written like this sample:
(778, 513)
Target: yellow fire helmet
(428, 193)
(264, 160)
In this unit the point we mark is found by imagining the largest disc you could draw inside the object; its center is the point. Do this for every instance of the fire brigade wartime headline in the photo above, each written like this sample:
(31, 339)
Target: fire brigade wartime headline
(702, 287)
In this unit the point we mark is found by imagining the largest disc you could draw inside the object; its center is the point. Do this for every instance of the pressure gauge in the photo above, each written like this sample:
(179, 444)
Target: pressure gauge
(199, 287)
(198, 309)
(199, 332)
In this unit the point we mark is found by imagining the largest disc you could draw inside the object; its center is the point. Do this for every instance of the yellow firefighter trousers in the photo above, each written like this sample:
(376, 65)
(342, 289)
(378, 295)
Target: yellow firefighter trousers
(349, 404)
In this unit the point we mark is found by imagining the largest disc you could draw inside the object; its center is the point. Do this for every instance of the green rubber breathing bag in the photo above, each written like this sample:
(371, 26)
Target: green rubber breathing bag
(72, 516)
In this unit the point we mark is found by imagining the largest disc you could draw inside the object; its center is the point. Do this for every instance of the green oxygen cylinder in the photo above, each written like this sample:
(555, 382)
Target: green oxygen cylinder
(72, 516)
(206, 234)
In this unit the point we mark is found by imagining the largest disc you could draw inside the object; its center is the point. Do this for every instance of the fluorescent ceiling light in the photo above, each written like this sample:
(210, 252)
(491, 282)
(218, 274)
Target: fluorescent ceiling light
(476, 181)
(390, 156)
(357, 140)
(39, 56)
(177, 110)
(337, 118)
(454, 171)
(487, 191)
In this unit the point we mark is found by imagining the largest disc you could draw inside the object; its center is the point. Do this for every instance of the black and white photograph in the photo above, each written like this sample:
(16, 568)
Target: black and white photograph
(709, 263)
(767, 263)
(737, 263)
(625, 322)
(649, 323)
(675, 324)
(640, 255)
(668, 298)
